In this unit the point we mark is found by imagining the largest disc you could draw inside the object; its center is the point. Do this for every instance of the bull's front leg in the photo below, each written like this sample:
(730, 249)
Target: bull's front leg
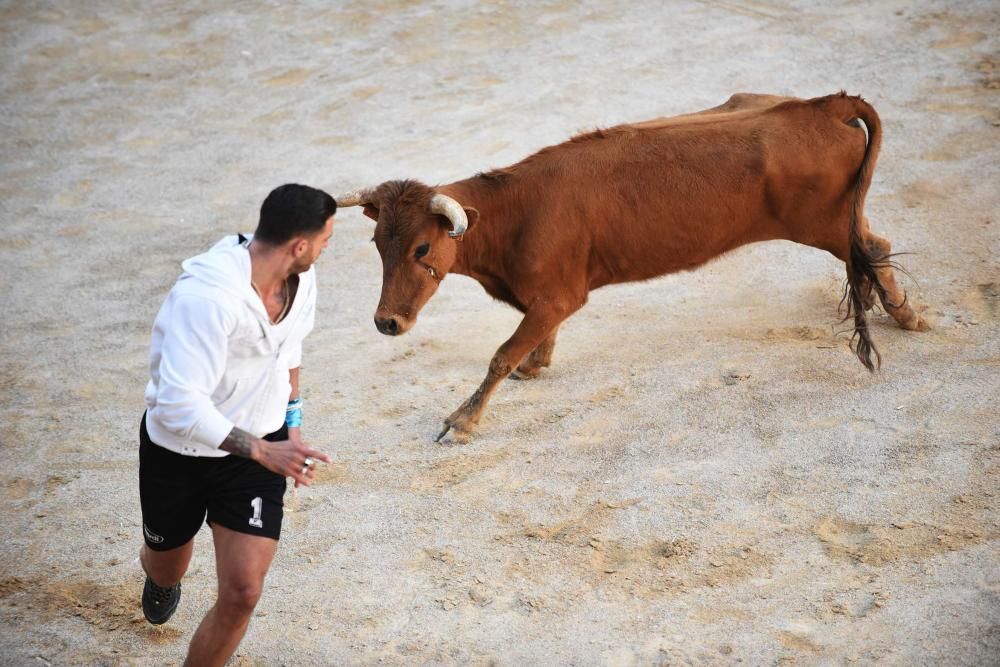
(539, 322)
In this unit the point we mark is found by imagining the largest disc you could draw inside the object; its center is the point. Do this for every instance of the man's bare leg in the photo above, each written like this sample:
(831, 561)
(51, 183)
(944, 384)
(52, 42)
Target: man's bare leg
(241, 563)
(166, 568)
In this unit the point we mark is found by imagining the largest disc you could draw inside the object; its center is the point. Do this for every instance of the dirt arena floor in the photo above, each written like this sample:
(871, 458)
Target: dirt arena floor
(706, 475)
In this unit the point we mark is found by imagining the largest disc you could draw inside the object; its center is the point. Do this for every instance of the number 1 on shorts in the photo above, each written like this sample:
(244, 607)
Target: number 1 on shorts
(255, 519)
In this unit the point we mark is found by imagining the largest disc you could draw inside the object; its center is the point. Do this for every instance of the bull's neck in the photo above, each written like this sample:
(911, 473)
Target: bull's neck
(487, 198)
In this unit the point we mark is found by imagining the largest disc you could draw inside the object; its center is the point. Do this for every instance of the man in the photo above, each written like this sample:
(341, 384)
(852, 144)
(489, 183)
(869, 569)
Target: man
(221, 431)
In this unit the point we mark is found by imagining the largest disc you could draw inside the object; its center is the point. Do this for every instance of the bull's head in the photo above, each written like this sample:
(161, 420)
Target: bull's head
(417, 231)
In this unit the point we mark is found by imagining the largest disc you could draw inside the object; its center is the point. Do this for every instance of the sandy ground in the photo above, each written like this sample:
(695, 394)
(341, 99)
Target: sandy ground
(706, 475)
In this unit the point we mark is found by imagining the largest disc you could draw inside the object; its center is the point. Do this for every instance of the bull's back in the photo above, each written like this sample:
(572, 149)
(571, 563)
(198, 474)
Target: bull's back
(659, 197)
(737, 103)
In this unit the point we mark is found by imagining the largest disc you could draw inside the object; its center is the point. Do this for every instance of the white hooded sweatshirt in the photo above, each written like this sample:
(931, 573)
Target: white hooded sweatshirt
(216, 360)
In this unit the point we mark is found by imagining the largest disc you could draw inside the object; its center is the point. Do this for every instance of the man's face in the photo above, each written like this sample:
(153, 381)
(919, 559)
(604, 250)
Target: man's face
(314, 247)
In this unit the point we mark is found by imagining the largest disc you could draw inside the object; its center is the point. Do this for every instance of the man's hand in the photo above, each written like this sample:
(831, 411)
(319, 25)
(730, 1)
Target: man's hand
(289, 458)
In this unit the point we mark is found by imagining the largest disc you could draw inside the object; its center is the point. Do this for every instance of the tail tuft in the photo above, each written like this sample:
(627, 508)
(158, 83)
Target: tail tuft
(862, 263)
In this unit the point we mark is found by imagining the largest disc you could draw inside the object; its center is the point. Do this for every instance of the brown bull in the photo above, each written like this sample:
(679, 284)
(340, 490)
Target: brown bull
(634, 202)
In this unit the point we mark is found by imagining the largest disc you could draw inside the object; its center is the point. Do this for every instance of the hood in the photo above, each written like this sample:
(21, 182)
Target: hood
(225, 266)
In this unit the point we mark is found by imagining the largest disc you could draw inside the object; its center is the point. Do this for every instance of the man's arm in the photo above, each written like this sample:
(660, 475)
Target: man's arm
(285, 457)
(240, 442)
(195, 339)
(294, 432)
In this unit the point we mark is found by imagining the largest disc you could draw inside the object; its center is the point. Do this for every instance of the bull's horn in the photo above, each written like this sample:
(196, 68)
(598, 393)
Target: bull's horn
(445, 205)
(356, 198)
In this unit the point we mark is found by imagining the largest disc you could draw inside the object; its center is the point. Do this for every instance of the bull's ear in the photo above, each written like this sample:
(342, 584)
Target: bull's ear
(471, 215)
(371, 212)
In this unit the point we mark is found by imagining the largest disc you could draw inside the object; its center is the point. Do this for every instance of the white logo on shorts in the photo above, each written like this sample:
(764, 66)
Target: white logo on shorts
(255, 519)
(150, 535)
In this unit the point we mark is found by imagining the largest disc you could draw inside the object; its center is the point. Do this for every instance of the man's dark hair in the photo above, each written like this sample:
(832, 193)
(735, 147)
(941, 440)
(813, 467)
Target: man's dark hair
(293, 210)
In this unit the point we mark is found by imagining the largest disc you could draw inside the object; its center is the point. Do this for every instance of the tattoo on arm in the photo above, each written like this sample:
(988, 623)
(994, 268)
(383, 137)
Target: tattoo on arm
(238, 442)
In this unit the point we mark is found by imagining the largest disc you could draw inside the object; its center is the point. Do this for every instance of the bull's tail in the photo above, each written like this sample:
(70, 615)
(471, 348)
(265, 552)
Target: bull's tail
(862, 261)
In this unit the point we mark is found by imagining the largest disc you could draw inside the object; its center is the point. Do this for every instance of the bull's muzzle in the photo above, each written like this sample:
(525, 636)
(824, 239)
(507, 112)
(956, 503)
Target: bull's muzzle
(388, 326)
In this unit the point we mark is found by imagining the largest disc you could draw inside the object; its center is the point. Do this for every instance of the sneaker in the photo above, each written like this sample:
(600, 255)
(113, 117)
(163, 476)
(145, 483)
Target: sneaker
(158, 603)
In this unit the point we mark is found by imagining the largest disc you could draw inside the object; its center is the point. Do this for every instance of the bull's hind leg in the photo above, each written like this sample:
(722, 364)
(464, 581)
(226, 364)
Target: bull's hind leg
(893, 298)
(891, 295)
(540, 357)
(868, 261)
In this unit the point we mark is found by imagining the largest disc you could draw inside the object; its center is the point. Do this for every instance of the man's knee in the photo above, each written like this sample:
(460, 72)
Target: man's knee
(240, 598)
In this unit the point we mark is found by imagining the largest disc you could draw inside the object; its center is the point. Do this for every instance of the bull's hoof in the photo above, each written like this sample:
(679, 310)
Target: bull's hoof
(460, 425)
(444, 432)
(458, 435)
(916, 323)
(524, 372)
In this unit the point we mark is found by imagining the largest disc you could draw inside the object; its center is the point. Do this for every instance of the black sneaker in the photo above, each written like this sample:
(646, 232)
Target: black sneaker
(158, 603)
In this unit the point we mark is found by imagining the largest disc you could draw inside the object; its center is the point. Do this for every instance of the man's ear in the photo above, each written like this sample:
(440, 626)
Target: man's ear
(299, 246)
(371, 212)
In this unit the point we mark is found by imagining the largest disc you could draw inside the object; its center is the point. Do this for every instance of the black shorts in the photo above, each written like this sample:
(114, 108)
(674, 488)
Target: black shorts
(177, 492)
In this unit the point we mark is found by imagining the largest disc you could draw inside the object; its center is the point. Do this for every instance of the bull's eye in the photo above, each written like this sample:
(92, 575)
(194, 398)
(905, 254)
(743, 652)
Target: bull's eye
(422, 250)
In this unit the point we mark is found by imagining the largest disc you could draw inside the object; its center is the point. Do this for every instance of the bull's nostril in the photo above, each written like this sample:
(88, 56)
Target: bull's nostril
(387, 326)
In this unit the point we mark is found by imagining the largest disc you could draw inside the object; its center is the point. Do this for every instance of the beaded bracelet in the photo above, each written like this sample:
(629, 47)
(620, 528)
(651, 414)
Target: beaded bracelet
(293, 413)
